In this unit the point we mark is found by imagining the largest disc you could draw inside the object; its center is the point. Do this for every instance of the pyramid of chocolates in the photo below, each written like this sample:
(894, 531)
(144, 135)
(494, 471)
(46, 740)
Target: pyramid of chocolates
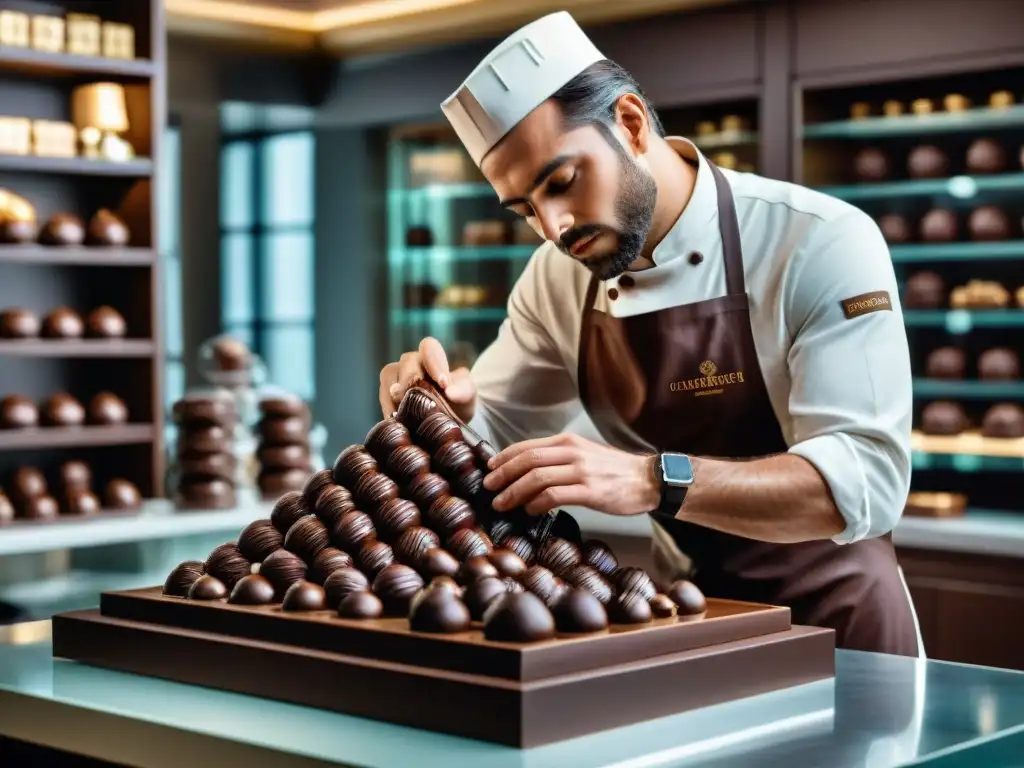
(206, 462)
(401, 526)
(283, 452)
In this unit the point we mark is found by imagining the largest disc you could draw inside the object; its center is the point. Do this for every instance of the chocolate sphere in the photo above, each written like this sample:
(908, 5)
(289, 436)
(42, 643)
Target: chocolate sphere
(407, 462)
(440, 611)
(107, 229)
(284, 407)
(304, 596)
(662, 606)
(62, 410)
(631, 607)
(17, 412)
(40, 508)
(425, 489)
(258, 539)
(75, 476)
(208, 588)
(28, 483)
(939, 225)
(327, 561)
(282, 569)
(414, 408)
(466, 543)
(374, 556)
(361, 605)
(470, 484)
(522, 546)
(274, 431)
(512, 585)
(228, 564)
(181, 579)
(82, 503)
(943, 418)
(275, 482)
(373, 489)
(925, 290)
(204, 410)
(988, 223)
(105, 323)
(579, 611)
(588, 578)
(342, 583)
(449, 514)
(205, 493)
(945, 363)
(18, 324)
(396, 585)
(307, 537)
(437, 430)
(351, 464)
(927, 162)
(481, 593)
(630, 579)
(287, 510)
(385, 437)
(598, 555)
(508, 563)
(454, 460)
(476, 568)
(107, 408)
(63, 229)
(413, 543)
(208, 439)
(895, 228)
(295, 456)
(870, 164)
(315, 485)
(396, 516)
(559, 556)
(542, 582)
(7, 509)
(252, 590)
(333, 504)
(1003, 420)
(518, 617)
(438, 562)
(121, 494)
(206, 466)
(352, 531)
(230, 354)
(999, 364)
(687, 597)
(63, 323)
(986, 156)
(501, 528)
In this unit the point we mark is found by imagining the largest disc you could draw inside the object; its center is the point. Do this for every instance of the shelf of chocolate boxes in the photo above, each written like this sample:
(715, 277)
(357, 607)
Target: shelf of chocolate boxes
(402, 527)
(30, 497)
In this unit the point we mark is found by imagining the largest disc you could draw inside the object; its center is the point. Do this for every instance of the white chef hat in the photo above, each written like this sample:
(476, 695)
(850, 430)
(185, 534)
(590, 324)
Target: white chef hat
(519, 75)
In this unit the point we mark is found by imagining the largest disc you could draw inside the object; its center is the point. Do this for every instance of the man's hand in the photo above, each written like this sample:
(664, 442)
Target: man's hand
(457, 385)
(570, 470)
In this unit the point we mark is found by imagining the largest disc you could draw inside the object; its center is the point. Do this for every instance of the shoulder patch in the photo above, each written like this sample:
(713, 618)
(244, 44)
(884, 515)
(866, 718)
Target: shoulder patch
(876, 301)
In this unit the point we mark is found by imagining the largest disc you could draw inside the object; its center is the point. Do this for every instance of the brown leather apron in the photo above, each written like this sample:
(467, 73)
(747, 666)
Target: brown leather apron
(629, 374)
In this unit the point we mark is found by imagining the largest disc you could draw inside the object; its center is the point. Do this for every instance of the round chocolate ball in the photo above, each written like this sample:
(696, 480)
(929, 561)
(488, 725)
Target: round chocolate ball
(82, 503)
(512, 585)
(252, 590)
(630, 579)
(181, 579)
(543, 583)
(107, 409)
(284, 407)
(466, 543)
(307, 537)
(18, 323)
(385, 437)
(63, 229)
(688, 598)
(288, 509)
(342, 583)
(40, 508)
(28, 483)
(945, 363)
(939, 225)
(943, 418)
(200, 440)
(522, 546)
(373, 489)
(476, 568)
(470, 485)
(895, 228)
(374, 556)
(275, 482)
(559, 556)
(105, 323)
(1003, 420)
(416, 405)
(438, 562)
(63, 323)
(228, 564)
(413, 543)
(17, 412)
(315, 485)
(631, 607)
(579, 611)
(437, 430)
(870, 164)
(274, 431)
(518, 617)
(205, 493)
(352, 531)
(988, 223)
(258, 539)
(333, 504)
(395, 585)
(230, 354)
(107, 229)
(662, 606)
(208, 588)
(295, 456)
(925, 290)
(986, 156)
(448, 514)
(75, 476)
(454, 459)
(440, 611)
(508, 563)
(927, 162)
(999, 364)
(282, 569)
(351, 464)
(598, 555)
(327, 561)
(121, 494)
(196, 410)
(479, 595)
(501, 528)
(304, 596)
(361, 605)
(588, 578)
(427, 488)
(408, 462)
(395, 517)
(62, 410)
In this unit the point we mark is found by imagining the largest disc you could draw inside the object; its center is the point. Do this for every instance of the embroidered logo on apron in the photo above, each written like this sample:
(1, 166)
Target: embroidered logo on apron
(710, 383)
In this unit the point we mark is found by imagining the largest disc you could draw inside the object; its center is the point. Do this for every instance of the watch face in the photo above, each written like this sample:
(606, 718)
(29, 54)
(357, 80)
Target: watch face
(677, 469)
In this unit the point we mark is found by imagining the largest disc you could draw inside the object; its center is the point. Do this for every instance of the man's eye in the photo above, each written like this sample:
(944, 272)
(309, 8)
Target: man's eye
(561, 186)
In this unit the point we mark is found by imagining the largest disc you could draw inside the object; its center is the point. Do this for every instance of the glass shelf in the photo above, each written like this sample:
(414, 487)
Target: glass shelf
(982, 118)
(978, 390)
(462, 253)
(963, 187)
(427, 315)
(726, 139)
(965, 462)
(960, 321)
(1009, 249)
(443, 192)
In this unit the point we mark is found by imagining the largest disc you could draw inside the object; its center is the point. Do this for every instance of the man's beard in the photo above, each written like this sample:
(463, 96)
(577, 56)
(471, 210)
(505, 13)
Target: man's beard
(634, 210)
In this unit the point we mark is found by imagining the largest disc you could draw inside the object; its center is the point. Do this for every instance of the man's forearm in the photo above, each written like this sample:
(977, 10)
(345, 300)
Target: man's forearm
(781, 499)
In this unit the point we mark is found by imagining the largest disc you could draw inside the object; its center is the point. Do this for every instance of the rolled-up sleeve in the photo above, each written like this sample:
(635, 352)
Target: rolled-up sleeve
(851, 401)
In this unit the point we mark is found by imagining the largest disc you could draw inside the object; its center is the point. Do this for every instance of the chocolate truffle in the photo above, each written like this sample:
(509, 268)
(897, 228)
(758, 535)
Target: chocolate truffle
(361, 605)
(351, 464)
(62, 410)
(687, 597)
(105, 323)
(374, 556)
(518, 617)
(81, 502)
(181, 579)
(939, 225)
(943, 418)
(927, 162)
(448, 514)
(454, 460)
(274, 482)
(62, 323)
(925, 290)
(512, 585)
(294, 456)
(986, 156)
(945, 363)
(470, 485)
(407, 462)
(288, 509)
(40, 508)
(204, 439)
(258, 539)
(444, 582)
(522, 546)
(425, 489)
(121, 494)
(284, 407)
(208, 588)
(304, 596)
(999, 364)
(630, 607)
(333, 504)
(228, 564)
(438, 562)
(7, 509)
(28, 483)
(385, 437)
(107, 408)
(501, 528)
(18, 323)
(662, 606)
(107, 229)
(395, 517)
(507, 563)
(630, 579)
(541, 582)
(578, 611)
(63, 229)
(352, 531)
(437, 430)
(439, 611)
(413, 543)
(230, 354)
(895, 228)
(476, 568)
(598, 555)
(395, 585)
(327, 561)
(870, 164)
(373, 489)
(307, 537)
(481, 593)
(17, 412)
(588, 578)
(414, 408)
(283, 431)
(203, 493)
(342, 583)
(75, 476)
(466, 543)
(988, 223)
(282, 569)
(315, 485)
(252, 590)
(1003, 420)
(559, 556)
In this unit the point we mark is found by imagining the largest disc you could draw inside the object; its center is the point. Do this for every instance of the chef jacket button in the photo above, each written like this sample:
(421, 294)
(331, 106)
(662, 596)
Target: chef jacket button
(696, 257)
(626, 282)
(613, 294)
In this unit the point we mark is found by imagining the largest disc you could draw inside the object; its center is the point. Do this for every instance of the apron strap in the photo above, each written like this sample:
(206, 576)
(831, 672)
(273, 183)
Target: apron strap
(729, 228)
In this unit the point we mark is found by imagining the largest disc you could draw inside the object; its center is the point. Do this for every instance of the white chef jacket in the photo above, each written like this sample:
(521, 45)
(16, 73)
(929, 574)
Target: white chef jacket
(840, 388)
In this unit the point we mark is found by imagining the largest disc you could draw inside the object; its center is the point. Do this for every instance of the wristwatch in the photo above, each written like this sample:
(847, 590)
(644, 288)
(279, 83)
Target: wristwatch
(675, 471)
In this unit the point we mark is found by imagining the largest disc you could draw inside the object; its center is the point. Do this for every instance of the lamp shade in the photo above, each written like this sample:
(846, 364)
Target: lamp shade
(101, 106)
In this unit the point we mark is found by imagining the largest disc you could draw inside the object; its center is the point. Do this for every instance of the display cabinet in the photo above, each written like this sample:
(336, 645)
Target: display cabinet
(726, 132)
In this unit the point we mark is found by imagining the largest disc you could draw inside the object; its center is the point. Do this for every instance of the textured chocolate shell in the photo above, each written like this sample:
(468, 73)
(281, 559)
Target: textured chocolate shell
(282, 569)
(333, 504)
(413, 543)
(342, 583)
(258, 539)
(227, 564)
(437, 430)
(351, 464)
(630, 607)
(373, 489)
(317, 483)
(181, 579)
(449, 514)
(599, 556)
(559, 556)
(385, 437)
(501, 528)
(588, 578)
(414, 408)
(352, 531)
(454, 459)
(628, 579)
(522, 546)
(466, 543)
(541, 582)
(307, 537)
(374, 556)
(327, 561)
(395, 517)
(427, 488)
(289, 508)
(395, 585)
(471, 484)
(407, 462)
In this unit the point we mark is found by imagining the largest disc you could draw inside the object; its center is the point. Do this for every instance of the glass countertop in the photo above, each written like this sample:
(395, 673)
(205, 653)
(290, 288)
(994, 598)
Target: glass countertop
(879, 711)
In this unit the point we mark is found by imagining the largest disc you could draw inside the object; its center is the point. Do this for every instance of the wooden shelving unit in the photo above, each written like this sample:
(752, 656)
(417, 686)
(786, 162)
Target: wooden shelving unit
(38, 85)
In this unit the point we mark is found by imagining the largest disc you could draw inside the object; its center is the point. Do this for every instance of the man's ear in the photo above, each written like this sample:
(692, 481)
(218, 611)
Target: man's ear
(633, 123)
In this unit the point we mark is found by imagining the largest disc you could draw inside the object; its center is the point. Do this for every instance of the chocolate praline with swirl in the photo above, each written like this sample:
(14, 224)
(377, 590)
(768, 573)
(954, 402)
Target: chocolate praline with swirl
(385, 437)
(327, 561)
(317, 483)
(427, 488)
(630, 607)
(395, 517)
(282, 569)
(333, 504)
(258, 539)
(395, 585)
(414, 408)
(413, 542)
(407, 462)
(629, 578)
(307, 537)
(559, 556)
(598, 555)
(466, 543)
(351, 464)
(522, 546)
(454, 459)
(541, 582)
(181, 579)
(374, 557)
(588, 578)
(227, 564)
(352, 531)
(289, 508)
(437, 430)
(448, 514)
(342, 583)
(373, 489)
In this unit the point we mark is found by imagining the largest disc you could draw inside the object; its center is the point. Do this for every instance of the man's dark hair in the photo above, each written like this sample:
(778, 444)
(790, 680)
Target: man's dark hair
(590, 98)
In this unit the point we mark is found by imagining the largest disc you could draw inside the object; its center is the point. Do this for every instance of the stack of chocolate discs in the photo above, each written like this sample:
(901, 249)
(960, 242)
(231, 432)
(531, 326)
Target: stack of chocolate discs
(283, 452)
(206, 462)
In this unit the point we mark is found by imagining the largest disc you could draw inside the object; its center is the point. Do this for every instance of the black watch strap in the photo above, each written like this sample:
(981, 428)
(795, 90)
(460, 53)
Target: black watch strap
(672, 496)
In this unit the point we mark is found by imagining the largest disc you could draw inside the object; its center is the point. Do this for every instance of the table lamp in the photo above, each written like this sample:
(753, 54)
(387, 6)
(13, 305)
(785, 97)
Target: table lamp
(100, 113)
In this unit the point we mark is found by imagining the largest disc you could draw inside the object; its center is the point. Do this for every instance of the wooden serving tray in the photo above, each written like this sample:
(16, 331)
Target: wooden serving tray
(522, 695)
